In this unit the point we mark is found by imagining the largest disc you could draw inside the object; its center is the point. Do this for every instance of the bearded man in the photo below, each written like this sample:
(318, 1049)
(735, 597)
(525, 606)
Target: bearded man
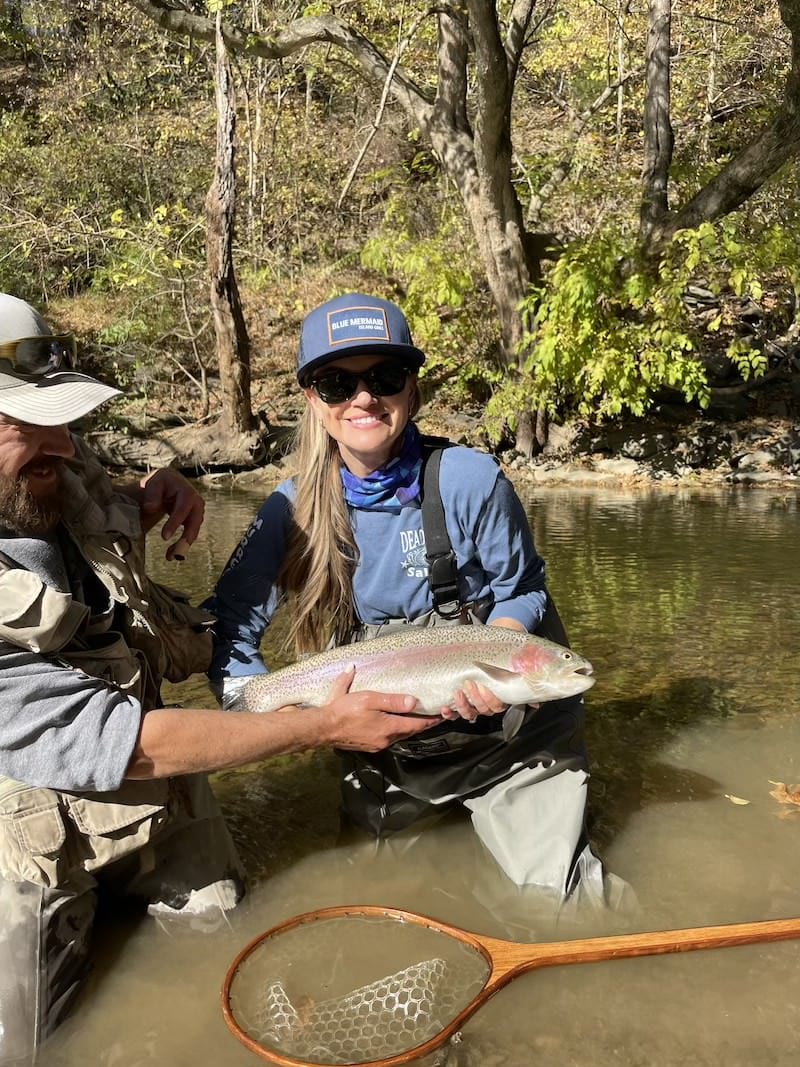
(103, 790)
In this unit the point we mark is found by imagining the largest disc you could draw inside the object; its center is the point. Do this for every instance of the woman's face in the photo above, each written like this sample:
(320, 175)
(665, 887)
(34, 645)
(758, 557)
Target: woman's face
(367, 428)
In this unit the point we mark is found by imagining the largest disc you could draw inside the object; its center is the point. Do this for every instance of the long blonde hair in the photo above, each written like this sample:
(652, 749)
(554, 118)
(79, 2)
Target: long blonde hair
(321, 553)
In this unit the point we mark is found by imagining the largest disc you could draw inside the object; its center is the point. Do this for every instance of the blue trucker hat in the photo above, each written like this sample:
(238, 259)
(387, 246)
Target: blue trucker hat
(353, 325)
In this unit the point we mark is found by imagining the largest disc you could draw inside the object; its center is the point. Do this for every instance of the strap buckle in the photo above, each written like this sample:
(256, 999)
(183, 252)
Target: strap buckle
(443, 579)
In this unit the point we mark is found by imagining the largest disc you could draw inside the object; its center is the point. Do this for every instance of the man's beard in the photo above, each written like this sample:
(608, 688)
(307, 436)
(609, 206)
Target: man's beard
(25, 513)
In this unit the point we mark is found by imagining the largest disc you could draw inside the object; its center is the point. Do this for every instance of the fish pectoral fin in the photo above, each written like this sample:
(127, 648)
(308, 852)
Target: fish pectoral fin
(512, 720)
(499, 674)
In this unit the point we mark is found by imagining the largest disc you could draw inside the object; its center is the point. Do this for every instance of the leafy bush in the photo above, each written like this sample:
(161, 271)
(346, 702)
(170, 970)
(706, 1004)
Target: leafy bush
(605, 334)
(436, 274)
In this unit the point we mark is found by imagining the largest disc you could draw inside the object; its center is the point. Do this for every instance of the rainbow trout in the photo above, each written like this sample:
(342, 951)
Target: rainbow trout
(431, 663)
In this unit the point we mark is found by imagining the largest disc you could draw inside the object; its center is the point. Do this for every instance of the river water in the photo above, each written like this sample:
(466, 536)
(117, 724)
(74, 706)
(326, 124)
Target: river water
(688, 605)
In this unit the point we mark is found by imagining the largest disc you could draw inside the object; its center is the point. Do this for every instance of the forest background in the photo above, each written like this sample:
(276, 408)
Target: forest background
(588, 209)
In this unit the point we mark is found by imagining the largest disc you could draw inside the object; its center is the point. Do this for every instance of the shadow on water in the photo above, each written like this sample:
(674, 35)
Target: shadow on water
(626, 739)
(281, 811)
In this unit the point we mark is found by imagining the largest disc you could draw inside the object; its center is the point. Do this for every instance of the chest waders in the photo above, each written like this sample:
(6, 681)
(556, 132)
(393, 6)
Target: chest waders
(456, 761)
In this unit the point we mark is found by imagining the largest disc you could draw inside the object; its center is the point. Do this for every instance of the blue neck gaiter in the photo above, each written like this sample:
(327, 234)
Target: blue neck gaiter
(392, 486)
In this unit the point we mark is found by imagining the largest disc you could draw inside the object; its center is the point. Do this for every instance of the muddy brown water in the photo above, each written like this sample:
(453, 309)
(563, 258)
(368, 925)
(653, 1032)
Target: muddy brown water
(688, 605)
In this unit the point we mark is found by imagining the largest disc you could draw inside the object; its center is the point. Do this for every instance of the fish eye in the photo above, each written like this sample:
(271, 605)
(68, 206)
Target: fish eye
(566, 655)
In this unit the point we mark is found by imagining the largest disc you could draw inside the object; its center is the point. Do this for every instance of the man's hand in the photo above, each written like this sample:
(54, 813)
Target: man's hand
(166, 492)
(367, 721)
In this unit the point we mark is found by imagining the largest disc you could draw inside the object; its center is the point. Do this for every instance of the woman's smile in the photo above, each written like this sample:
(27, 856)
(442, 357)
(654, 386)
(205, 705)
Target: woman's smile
(365, 421)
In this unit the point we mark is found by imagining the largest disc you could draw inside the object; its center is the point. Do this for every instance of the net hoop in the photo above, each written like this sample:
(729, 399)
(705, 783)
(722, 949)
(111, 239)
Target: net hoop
(356, 911)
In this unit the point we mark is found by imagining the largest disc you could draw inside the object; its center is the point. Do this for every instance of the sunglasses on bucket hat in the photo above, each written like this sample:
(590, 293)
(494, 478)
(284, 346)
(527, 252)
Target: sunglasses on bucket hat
(35, 356)
(336, 385)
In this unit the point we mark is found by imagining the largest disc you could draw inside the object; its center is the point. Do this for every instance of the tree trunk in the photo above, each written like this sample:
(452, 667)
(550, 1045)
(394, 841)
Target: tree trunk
(494, 207)
(512, 261)
(233, 343)
(483, 176)
(500, 236)
(658, 136)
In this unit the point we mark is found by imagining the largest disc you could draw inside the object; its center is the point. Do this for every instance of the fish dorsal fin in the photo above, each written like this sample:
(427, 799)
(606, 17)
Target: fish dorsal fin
(500, 674)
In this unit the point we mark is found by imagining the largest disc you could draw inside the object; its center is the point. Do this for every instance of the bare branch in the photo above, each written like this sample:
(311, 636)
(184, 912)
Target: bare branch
(376, 122)
(298, 34)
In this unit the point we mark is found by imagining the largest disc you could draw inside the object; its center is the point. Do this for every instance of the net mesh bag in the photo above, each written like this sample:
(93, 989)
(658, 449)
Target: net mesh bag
(396, 1012)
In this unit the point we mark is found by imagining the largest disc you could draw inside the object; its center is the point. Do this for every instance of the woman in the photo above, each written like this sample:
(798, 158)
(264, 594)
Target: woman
(344, 542)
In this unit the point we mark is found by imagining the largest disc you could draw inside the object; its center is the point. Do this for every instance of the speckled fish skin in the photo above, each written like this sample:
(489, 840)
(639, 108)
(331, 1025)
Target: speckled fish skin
(430, 663)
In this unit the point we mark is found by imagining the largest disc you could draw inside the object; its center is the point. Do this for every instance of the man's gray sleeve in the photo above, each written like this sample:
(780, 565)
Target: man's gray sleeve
(60, 728)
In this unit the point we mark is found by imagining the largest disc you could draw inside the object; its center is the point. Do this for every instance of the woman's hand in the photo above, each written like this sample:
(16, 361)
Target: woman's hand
(368, 721)
(471, 701)
(475, 699)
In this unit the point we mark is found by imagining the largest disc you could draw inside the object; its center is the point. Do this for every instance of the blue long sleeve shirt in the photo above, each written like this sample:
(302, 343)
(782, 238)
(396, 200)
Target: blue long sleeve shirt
(488, 529)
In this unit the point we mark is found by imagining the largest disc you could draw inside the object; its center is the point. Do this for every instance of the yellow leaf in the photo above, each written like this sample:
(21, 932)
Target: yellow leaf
(785, 794)
(736, 800)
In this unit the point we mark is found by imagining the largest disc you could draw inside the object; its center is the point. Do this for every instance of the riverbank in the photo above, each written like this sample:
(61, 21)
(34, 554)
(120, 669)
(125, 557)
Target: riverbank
(749, 440)
(756, 452)
(749, 435)
(637, 453)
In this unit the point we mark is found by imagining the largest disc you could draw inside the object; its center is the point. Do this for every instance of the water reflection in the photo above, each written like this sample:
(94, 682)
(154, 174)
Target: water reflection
(688, 605)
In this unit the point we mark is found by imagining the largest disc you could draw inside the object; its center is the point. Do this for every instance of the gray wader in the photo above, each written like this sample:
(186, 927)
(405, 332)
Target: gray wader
(161, 842)
(526, 795)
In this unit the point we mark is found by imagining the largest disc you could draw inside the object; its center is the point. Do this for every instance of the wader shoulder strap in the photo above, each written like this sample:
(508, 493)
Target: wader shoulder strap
(442, 569)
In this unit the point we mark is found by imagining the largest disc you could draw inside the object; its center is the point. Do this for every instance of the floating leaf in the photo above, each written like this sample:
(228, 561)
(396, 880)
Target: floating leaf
(785, 794)
(736, 800)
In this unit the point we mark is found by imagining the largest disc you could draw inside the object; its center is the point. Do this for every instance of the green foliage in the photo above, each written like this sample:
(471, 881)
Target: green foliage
(435, 273)
(157, 266)
(148, 253)
(435, 279)
(123, 330)
(96, 137)
(605, 334)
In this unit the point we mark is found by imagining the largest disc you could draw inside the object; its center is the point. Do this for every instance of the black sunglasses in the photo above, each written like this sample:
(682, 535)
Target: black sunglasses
(40, 355)
(336, 385)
